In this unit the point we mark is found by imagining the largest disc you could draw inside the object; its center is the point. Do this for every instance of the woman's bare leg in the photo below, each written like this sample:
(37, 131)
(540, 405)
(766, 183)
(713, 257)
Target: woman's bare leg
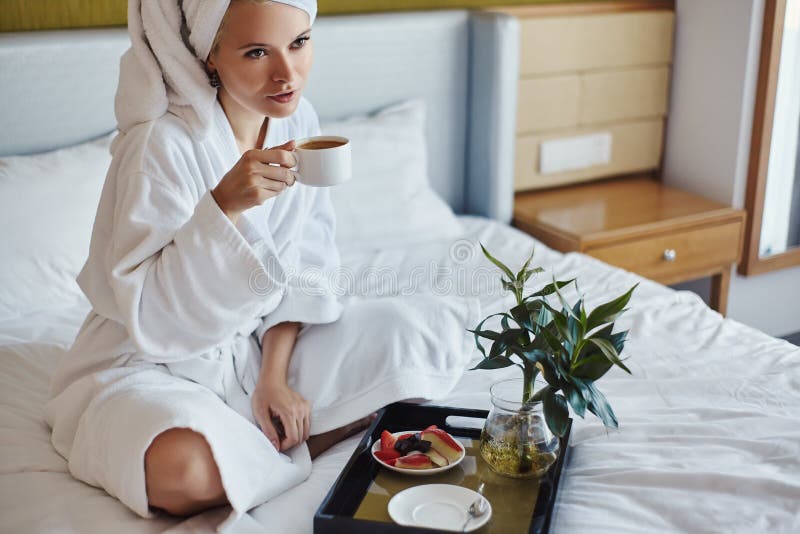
(181, 475)
(182, 478)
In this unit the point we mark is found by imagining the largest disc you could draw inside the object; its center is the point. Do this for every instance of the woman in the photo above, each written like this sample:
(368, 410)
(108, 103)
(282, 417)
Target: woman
(160, 400)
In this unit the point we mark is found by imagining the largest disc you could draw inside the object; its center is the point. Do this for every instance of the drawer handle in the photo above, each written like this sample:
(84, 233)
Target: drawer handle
(670, 254)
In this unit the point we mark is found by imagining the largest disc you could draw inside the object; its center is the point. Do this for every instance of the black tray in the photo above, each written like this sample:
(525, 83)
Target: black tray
(340, 511)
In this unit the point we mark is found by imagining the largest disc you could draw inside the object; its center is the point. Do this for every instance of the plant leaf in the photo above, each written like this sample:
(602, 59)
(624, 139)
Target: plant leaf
(591, 367)
(498, 263)
(488, 334)
(549, 289)
(498, 362)
(605, 313)
(532, 355)
(521, 272)
(527, 273)
(552, 339)
(567, 308)
(549, 373)
(522, 316)
(559, 321)
(575, 399)
(609, 351)
(618, 339)
(498, 348)
(556, 412)
(508, 286)
(600, 407)
(583, 318)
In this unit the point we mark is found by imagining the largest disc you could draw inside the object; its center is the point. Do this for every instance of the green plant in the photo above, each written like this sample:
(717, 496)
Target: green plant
(570, 348)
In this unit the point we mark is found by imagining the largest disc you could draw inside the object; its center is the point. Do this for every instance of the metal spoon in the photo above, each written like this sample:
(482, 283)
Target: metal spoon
(479, 507)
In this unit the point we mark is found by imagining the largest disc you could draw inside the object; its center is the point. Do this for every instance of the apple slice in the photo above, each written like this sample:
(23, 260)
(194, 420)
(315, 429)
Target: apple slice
(387, 441)
(442, 443)
(437, 459)
(414, 461)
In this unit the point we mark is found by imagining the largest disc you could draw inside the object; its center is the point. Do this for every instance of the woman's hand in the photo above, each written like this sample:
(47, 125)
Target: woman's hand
(276, 401)
(257, 176)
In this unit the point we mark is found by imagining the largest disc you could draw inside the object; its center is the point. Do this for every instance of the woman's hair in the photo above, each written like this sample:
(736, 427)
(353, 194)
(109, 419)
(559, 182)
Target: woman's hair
(218, 36)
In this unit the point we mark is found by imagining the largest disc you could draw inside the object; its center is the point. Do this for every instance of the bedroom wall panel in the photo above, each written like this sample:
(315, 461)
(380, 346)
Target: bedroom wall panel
(708, 138)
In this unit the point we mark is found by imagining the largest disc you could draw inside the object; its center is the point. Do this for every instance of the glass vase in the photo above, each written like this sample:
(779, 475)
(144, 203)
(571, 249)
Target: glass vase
(515, 440)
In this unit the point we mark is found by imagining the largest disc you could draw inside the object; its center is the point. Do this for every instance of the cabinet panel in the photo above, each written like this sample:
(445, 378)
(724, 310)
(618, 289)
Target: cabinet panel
(564, 101)
(635, 147)
(548, 103)
(623, 94)
(587, 42)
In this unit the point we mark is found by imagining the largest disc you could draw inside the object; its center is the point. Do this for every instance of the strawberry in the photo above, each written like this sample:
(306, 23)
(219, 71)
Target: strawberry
(387, 441)
(387, 456)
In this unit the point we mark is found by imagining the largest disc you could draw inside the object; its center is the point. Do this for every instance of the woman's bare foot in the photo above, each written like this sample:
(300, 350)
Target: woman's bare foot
(322, 442)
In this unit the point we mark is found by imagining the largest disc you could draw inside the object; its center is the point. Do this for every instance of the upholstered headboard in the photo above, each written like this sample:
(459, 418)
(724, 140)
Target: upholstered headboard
(58, 87)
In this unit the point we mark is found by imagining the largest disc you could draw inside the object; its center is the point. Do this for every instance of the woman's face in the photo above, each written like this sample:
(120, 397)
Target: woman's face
(264, 51)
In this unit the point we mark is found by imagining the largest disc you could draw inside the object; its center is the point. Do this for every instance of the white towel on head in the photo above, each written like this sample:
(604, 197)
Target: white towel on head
(164, 67)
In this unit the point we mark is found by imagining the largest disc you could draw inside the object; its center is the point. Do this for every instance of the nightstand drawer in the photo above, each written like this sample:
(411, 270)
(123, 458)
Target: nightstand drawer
(667, 257)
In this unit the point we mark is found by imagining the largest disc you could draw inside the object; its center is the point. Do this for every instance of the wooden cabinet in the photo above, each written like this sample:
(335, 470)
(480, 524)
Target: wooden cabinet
(604, 68)
(640, 225)
(592, 68)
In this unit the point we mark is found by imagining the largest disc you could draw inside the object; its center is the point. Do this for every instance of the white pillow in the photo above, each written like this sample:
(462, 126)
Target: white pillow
(389, 201)
(47, 206)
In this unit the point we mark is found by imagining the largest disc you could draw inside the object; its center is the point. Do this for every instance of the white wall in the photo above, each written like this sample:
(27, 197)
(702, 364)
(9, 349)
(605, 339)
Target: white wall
(717, 45)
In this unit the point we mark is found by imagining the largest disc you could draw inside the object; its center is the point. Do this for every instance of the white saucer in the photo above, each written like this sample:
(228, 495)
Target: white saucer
(441, 506)
(419, 472)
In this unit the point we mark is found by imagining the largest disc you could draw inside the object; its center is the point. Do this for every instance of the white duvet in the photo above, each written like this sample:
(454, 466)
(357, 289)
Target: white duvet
(709, 437)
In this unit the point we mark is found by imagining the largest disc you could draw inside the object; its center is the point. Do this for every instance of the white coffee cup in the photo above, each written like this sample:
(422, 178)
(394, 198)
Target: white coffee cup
(323, 160)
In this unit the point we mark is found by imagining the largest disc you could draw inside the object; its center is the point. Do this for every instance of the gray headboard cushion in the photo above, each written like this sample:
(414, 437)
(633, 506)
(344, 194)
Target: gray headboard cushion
(58, 90)
(57, 87)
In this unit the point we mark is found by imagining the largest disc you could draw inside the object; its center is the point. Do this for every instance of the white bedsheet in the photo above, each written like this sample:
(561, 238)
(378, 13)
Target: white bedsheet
(709, 437)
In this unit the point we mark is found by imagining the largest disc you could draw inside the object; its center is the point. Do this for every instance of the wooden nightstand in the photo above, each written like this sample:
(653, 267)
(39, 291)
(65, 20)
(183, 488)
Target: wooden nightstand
(640, 225)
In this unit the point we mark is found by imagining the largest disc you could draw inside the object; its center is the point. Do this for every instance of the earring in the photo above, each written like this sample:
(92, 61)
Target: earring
(214, 81)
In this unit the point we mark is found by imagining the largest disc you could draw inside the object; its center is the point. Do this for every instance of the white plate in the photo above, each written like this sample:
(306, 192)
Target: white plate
(441, 506)
(422, 472)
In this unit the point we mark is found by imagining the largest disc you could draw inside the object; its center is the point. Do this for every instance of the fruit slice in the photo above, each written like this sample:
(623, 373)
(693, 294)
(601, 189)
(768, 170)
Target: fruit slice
(443, 444)
(385, 456)
(437, 459)
(387, 441)
(414, 461)
(404, 436)
(432, 427)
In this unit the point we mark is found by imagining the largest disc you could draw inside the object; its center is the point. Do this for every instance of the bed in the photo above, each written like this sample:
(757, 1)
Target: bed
(709, 437)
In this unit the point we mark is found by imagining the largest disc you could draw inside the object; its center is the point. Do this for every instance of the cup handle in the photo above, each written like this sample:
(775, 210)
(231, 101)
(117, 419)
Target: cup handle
(293, 170)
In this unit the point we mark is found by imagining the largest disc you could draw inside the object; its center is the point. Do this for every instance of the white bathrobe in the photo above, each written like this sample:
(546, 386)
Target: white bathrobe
(180, 301)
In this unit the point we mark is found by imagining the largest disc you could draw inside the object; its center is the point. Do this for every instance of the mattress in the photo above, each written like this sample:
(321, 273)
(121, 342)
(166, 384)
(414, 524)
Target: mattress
(709, 437)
